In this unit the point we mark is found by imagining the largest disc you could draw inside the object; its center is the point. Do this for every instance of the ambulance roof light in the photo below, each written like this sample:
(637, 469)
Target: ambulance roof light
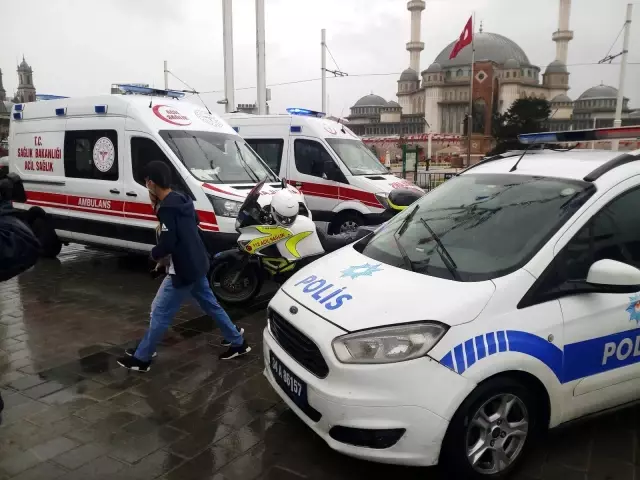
(137, 89)
(570, 136)
(101, 109)
(61, 111)
(305, 112)
(17, 116)
(18, 107)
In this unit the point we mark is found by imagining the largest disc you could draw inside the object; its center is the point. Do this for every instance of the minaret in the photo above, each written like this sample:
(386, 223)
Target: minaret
(3, 92)
(26, 90)
(563, 34)
(415, 46)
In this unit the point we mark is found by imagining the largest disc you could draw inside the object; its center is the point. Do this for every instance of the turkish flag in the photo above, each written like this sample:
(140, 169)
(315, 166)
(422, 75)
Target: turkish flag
(465, 39)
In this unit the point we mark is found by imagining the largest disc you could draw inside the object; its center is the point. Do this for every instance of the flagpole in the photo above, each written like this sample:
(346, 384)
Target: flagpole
(473, 61)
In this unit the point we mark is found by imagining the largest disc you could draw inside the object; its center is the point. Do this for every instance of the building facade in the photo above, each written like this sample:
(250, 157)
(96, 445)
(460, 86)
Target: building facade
(436, 100)
(25, 93)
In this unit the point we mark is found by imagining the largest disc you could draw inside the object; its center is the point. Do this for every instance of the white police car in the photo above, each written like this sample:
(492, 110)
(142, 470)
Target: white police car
(504, 302)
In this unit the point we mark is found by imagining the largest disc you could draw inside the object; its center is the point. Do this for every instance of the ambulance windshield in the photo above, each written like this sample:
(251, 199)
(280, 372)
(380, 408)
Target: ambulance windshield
(477, 226)
(357, 157)
(217, 157)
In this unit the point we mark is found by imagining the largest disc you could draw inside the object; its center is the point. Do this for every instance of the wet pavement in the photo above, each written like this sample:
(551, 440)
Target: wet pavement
(72, 413)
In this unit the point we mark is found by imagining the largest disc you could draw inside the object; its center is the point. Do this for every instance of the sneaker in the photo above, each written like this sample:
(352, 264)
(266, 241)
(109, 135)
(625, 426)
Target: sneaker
(132, 363)
(234, 352)
(130, 352)
(225, 343)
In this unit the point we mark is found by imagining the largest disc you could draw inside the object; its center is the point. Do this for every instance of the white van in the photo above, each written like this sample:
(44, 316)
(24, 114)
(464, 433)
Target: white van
(343, 182)
(502, 303)
(82, 161)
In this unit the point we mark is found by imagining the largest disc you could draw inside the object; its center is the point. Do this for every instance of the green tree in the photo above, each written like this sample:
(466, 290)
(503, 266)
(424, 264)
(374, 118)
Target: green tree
(526, 115)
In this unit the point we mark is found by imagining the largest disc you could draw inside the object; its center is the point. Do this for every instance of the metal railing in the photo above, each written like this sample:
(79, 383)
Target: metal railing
(430, 180)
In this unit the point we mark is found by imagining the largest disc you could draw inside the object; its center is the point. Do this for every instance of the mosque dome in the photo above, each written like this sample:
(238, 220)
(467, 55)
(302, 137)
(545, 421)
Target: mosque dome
(489, 46)
(409, 75)
(435, 67)
(512, 63)
(599, 91)
(371, 101)
(562, 98)
(556, 67)
(393, 104)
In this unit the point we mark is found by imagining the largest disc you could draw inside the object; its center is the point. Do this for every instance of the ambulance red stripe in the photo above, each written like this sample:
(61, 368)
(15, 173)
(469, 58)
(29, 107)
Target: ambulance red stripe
(116, 208)
(338, 193)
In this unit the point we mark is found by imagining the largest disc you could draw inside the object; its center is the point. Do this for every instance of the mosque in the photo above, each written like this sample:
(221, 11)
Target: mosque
(436, 99)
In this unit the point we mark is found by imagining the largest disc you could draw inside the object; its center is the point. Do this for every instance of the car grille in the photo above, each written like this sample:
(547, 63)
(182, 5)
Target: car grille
(298, 345)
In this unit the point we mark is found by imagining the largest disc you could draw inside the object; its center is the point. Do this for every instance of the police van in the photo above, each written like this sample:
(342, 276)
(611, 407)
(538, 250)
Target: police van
(504, 302)
(343, 182)
(82, 161)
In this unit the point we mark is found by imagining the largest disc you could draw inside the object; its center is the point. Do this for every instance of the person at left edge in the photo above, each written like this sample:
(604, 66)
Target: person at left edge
(181, 246)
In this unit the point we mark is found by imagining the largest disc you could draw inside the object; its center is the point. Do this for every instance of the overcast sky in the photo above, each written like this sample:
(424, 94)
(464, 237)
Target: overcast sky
(81, 47)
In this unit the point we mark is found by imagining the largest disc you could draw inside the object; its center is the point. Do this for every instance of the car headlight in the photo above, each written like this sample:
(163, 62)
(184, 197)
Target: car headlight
(388, 344)
(223, 207)
(382, 198)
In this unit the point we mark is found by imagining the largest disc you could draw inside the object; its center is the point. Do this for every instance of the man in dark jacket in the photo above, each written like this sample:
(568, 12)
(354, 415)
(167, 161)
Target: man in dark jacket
(182, 250)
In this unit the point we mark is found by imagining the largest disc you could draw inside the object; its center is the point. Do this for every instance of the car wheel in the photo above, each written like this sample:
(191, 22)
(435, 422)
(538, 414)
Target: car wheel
(492, 431)
(46, 235)
(346, 222)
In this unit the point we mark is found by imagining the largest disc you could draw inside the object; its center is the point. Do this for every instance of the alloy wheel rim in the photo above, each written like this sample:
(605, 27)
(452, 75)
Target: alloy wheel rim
(496, 434)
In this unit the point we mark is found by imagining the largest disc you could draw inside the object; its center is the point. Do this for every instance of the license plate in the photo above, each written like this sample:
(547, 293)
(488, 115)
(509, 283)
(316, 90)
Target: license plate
(295, 388)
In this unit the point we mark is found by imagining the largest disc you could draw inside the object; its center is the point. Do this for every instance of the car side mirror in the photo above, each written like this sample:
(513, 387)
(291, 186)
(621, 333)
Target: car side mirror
(614, 276)
(284, 183)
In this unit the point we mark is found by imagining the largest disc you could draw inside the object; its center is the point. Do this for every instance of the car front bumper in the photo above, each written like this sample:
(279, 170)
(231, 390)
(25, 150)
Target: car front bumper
(401, 397)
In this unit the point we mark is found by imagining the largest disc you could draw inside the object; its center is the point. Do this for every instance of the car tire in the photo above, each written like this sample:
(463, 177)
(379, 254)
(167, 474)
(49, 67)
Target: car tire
(46, 235)
(480, 432)
(345, 221)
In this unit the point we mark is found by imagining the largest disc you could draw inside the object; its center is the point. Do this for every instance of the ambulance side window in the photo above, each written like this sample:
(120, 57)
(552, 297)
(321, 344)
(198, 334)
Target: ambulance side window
(145, 150)
(310, 157)
(613, 233)
(91, 154)
(269, 150)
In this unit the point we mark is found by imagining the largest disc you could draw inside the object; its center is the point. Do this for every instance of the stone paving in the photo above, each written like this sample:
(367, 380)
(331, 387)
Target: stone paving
(72, 413)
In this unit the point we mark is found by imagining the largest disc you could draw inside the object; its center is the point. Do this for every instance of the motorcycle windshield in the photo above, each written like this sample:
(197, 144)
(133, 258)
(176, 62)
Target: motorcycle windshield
(250, 209)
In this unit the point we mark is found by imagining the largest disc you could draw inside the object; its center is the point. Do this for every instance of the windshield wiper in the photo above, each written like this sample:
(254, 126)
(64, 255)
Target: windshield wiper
(442, 251)
(245, 165)
(398, 233)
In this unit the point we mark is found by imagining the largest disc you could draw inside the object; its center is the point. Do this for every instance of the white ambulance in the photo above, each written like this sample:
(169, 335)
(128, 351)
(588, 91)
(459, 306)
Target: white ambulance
(342, 181)
(502, 303)
(82, 161)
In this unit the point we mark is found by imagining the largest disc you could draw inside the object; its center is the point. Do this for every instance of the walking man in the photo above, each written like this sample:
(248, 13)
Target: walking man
(181, 248)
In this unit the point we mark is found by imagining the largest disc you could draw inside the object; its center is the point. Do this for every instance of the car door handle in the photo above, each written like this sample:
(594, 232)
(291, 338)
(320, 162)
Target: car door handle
(115, 190)
(132, 194)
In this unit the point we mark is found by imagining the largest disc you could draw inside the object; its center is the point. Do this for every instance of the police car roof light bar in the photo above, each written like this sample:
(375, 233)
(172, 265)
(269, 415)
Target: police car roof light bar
(305, 112)
(156, 92)
(44, 96)
(571, 136)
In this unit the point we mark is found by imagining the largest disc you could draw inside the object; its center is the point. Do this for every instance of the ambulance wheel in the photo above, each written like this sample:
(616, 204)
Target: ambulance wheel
(46, 234)
(231, 286)
(347, 221)
(492, 431)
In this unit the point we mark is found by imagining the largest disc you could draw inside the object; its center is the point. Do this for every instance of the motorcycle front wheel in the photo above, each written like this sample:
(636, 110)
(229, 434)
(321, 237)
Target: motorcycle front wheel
(233, 282)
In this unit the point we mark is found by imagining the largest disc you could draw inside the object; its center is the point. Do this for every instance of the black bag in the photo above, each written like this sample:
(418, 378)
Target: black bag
(19, 247)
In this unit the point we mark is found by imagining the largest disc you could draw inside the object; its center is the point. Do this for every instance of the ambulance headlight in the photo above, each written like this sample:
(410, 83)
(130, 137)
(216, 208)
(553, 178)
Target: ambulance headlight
(223, 207)
(389, 344)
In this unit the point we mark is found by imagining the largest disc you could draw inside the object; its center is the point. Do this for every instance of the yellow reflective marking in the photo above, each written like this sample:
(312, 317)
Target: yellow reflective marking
(273, 234)
(292, 243)
(394, 206)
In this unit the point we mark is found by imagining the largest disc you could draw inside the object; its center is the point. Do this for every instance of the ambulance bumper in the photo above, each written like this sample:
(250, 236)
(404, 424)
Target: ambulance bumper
(384, 413)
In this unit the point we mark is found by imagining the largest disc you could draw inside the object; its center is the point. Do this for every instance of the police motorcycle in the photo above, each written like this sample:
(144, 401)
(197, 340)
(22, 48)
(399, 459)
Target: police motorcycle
(275, 240)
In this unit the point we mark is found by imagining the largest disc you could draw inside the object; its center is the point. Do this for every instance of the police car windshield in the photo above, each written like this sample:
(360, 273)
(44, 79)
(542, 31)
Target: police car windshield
(356, 156)
(217, 157)
(487, 225)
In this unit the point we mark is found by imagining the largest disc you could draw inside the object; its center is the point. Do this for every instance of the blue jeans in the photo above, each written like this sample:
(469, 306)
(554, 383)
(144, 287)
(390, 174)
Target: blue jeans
(167, 303)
